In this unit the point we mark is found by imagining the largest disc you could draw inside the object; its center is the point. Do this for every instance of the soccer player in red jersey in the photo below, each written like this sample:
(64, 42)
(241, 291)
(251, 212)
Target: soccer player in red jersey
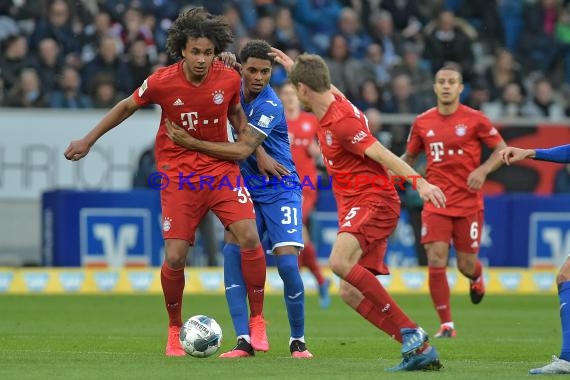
(302, 135)
(451, 136)
(367, 214)
(201, 94)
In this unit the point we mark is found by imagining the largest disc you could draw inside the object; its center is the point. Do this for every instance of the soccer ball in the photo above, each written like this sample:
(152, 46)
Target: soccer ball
(201, 336)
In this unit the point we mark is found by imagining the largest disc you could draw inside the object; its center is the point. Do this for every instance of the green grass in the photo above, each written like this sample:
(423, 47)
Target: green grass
(99, 337)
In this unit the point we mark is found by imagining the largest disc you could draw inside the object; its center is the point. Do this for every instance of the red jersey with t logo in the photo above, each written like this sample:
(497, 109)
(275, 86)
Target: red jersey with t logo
(343, 137)
(202, 110)
(452, 144)
(302, 132)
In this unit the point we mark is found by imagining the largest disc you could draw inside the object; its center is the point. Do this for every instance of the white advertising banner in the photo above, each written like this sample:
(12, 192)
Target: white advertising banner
(32, 143)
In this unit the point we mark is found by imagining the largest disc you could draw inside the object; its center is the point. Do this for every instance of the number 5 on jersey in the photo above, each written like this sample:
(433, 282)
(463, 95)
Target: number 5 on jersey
(351, 214)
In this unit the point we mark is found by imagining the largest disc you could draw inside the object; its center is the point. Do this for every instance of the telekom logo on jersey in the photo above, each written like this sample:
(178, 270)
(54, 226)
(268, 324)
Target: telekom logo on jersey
(437, 151)
(190, 120)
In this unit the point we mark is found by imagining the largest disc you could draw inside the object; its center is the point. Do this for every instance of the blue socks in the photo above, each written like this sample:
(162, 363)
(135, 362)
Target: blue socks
(564, 297)
(235, 289)
(294, 293)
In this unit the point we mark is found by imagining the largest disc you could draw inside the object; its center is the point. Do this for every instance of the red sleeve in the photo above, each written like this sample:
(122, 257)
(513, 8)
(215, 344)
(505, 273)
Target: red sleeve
(353, 135)
(143, 95)
(487, 133)
(415, 143)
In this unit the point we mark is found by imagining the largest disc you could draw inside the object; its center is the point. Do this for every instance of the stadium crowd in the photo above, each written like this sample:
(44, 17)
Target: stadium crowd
(381, 53)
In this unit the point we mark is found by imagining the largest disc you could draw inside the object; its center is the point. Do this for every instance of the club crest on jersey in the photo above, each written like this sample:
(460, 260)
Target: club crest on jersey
(306, 127)
(166, 224)
(460, 130)
(218, 97)
(328, 138)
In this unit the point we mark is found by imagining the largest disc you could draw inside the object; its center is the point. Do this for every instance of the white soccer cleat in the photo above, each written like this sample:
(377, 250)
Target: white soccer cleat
(557, 366)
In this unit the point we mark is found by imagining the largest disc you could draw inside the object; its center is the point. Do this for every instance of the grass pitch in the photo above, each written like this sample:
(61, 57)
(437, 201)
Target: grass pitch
(99, 337)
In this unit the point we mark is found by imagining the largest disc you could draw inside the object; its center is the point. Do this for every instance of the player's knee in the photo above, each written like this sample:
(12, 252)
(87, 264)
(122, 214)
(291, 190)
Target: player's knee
(248, 238)
(175, 254)
(339, 266)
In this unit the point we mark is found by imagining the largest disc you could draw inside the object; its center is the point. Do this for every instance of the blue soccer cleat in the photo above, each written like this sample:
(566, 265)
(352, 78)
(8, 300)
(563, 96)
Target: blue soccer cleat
(425, 361)
(324, 296)
(412, 340)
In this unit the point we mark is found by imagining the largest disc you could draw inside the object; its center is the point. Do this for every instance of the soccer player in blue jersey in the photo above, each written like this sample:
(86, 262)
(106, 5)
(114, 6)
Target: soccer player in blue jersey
(561, 364)
(277, 201)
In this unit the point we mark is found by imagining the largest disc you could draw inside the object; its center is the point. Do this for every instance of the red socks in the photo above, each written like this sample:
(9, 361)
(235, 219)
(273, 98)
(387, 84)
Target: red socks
(371, 288)
(478, 271)
(254, 270)
(373, 315)
(308, 258)
(439, 291)
(172, 281)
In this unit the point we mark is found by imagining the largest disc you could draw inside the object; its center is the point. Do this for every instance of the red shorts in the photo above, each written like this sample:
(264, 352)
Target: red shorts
(183, 208)
(464, 232)
(309, 201)
(372, 224)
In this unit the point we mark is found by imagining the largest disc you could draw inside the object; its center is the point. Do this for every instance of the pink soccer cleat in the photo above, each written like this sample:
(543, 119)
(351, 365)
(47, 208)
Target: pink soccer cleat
(173, 347)
(258, 334)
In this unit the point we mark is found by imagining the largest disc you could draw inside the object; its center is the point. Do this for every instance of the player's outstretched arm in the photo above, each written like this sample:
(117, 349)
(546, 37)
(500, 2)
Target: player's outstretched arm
(79, 148)
(559, 154)
(395, 164)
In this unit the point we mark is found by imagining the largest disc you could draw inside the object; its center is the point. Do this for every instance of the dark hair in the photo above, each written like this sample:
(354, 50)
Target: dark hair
(255, 49)
(312, 71)
(196, 23)
(451, 67)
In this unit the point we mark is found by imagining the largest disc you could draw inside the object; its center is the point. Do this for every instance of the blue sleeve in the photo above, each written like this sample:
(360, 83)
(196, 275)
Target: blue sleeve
(266, 116)
(557, 154)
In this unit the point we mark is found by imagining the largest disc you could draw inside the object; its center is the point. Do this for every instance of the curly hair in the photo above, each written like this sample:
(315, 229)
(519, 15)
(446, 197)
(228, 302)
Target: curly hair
(196, 23)
(255, 49)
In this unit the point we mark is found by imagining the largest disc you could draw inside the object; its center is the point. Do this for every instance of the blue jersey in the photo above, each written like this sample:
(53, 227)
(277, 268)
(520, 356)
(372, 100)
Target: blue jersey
(265, 114)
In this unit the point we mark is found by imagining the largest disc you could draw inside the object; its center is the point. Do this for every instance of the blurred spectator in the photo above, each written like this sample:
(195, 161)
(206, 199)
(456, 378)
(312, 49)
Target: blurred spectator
(288, 35)
(92, 35)
(542, 104)
(511, 13)
(2, 91)
(417, 70)
(234, 20)
(503, 71)
(370, 96)
(484, 16)
(538, 47)
(344, 70)
(382, 31)
(563, 37)
(69, 95)
(27, 92)
(510, 104)
(403, 99)
(562, 181)
(57, 26)
(139, 64)
(447, 41)
(48, 64)
(13, 60)
(375, 124)
(374, 67)
(265, 30)
(406, 16)
(477, 94)
(134, 29)
(319, 18)
(103, 93)
(350, 28)
(108, 62)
